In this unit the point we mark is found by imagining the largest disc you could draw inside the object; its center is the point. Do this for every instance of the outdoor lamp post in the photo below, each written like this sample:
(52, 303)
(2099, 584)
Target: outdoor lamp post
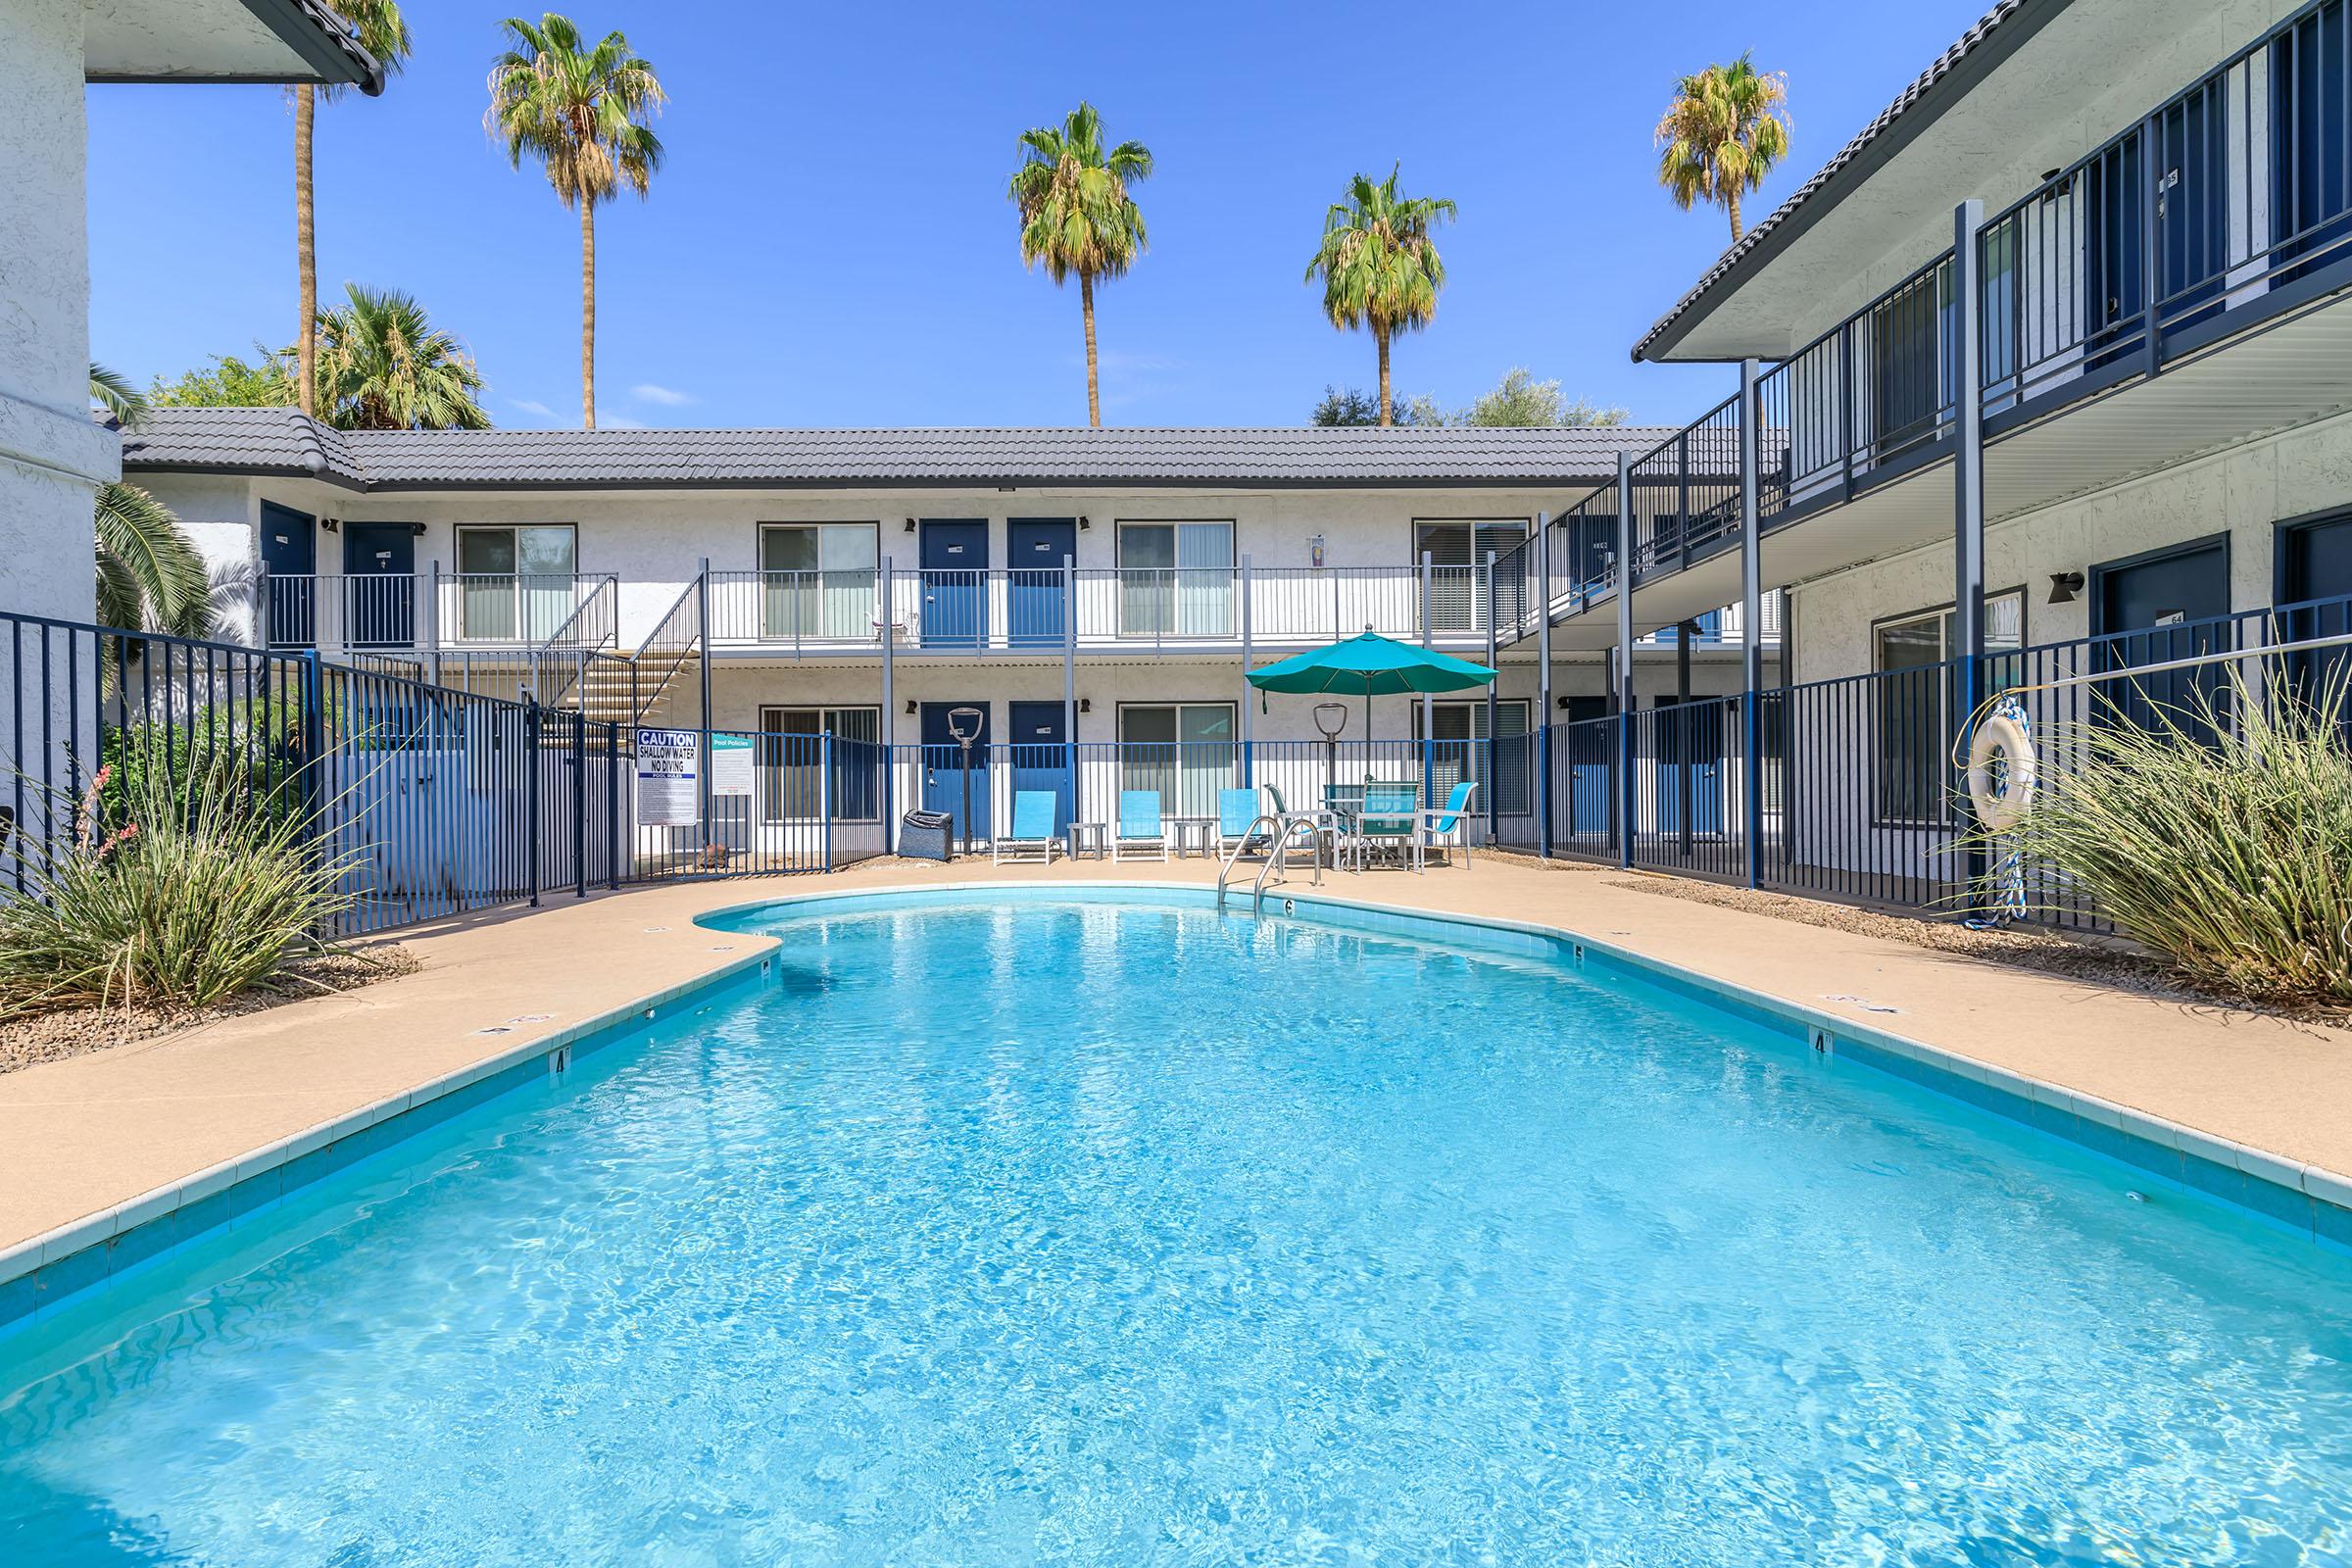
(1331, 719)
(963, 723)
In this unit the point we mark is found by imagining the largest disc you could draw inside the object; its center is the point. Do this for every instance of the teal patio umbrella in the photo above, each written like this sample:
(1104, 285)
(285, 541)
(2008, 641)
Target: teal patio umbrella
(1370, 665)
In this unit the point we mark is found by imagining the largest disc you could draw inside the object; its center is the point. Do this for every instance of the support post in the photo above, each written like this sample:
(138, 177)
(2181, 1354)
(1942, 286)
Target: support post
(1751, 623)
(1249, 752)
(1968, 488)
(432, 622)
(1544, 685)
(824, 791)
(702, 664)
(1069, 673)
(1623, 571)
(1428, 703)
(1494, 769)
(890, 717)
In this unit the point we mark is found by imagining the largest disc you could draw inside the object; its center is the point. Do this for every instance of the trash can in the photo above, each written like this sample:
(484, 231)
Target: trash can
(923, 835)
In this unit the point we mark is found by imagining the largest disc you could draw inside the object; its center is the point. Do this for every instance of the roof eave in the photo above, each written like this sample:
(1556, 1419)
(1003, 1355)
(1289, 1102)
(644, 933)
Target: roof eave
(1789, 224)
(337, 56)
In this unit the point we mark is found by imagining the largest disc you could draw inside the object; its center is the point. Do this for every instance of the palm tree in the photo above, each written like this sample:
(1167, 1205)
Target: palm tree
(383, 365)
(1379, 266)
(1721, 135)
(383, 34)
(150, 575)
(1076, 215)
(583, 114)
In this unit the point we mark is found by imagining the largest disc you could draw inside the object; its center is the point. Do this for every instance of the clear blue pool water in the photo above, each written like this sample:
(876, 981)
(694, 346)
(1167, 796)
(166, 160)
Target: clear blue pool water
(1041, 1233)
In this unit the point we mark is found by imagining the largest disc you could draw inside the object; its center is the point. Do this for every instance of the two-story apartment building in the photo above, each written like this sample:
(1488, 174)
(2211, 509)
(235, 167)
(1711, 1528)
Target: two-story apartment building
(1071, 585)
(2046, 372)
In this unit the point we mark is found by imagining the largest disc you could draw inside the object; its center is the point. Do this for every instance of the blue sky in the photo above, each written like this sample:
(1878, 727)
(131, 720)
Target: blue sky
(830, 242)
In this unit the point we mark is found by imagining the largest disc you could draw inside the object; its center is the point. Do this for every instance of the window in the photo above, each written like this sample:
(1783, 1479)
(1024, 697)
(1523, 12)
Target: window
(816, 579)
(1916, 696)
(1457, 553)
(791, 762)
(1185, 751)
(517, 584)
(1456, 729)
(1176, 579)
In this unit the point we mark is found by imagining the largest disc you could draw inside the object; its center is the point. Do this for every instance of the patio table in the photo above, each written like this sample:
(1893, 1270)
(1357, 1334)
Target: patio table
(1089, 839)
(1195, 835)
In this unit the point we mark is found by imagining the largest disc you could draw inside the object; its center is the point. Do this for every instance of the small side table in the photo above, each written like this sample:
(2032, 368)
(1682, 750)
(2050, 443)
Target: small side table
(1089, 839)
(1195, 835)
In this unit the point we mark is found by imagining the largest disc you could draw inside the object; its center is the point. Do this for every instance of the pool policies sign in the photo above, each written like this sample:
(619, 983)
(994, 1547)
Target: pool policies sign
(669, 764)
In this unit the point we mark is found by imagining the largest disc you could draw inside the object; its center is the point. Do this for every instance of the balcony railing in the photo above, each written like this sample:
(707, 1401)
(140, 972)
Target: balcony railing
(2225, 206)
(1181, 608)
(396, 610)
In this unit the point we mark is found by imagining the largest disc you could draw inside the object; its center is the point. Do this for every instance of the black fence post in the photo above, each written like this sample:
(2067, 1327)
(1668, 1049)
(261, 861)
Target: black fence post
(613, 796)
(530, 794)
(579, 804)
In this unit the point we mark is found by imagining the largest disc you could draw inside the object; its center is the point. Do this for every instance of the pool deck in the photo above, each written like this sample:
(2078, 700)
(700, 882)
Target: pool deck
(118, 1132)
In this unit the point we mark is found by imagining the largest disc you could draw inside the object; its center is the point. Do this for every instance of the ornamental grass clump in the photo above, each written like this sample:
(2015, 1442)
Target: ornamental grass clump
(2217, 831)
(169, 893)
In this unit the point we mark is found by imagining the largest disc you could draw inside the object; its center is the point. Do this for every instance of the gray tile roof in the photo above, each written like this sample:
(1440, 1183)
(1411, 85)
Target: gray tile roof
(1768, 233)
(279, 441)
(292, 20)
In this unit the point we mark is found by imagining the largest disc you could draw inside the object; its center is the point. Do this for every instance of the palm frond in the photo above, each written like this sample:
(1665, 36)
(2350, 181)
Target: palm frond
(111, 391)
(150, 575)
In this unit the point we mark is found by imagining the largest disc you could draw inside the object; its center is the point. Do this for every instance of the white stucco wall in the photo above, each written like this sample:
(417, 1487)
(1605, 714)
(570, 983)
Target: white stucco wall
(51, 457)
(2243, 492)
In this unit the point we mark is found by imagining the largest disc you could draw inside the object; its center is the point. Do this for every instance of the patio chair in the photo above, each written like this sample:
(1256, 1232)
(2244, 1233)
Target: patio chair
(1390, 822)
(1236, 810)
(1449, 826)
(1302, 836)
(1032, 837)
(1141, 834)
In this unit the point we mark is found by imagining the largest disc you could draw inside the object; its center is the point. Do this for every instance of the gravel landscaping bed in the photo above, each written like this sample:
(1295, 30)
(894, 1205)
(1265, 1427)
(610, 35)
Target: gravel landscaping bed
(71, 1031)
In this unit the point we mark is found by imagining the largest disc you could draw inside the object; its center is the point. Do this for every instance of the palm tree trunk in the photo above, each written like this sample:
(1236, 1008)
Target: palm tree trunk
(305, 249)
(1733, 202)
(588, 314)
(1086, 304)
(1380, 335)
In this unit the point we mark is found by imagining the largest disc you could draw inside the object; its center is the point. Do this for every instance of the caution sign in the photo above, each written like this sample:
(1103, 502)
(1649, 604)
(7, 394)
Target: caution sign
(668, 778)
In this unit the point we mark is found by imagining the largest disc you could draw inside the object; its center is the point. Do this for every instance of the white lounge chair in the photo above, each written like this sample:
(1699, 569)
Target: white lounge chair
(1032, 837)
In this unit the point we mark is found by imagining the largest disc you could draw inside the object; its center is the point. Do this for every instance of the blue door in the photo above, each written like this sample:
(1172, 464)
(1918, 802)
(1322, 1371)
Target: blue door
(955, 563)
(2316, 563)
(944, 776)
(1035, 548)
(290, 556)
(2152, 610)
(379, 584)
(1591, 763)
(1691, 765)
(1038, 743)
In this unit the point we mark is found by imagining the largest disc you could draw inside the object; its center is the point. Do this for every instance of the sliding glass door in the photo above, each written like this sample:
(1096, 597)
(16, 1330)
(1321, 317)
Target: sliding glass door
(517, 584)
(816, 579)
(1183, 750)
(1176, 579)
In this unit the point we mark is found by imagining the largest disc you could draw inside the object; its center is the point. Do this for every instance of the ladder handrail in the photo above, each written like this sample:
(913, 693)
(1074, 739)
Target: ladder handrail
(1283, 825)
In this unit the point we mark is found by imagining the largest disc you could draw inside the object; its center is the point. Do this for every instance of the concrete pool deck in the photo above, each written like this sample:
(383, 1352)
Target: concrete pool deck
(116, 1132)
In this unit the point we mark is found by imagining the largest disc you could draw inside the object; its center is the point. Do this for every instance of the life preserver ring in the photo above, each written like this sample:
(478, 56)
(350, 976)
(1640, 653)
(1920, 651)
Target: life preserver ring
(2000, 771)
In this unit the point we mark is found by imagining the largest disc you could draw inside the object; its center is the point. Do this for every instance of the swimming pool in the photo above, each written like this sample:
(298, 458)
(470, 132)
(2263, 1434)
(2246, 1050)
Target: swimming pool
(1028, 1230)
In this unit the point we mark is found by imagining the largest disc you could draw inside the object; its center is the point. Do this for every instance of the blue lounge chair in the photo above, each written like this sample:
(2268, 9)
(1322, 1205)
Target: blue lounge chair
(1236, 810)
(1141, 834)
(1032, 837)
(1449, 826)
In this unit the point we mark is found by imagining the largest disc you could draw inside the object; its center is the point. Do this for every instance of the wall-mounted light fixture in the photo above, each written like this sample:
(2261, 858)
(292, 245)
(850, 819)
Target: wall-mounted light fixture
(1086, 705)
(332, 524)
(910, 525)
(2064, 585)
(911, 709)
(1086, 526)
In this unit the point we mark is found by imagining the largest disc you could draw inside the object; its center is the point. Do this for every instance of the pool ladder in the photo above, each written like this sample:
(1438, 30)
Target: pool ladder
(1276, 859)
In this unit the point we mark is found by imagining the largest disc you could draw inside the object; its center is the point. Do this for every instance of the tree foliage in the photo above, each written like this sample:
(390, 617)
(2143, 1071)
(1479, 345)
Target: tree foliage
(1379, 266)
(1518, 401)
(1352, 405)
(1078, 212)
(1725, 129)
(383, 365)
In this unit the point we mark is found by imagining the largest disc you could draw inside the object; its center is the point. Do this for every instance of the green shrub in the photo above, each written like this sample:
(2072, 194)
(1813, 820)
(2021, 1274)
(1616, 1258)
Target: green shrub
(174, 891)
(2232, 857)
